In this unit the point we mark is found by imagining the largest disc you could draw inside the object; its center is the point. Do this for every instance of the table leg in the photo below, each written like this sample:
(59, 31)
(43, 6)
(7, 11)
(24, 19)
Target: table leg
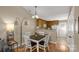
(11, 48)
(37, 46)
(17, 47)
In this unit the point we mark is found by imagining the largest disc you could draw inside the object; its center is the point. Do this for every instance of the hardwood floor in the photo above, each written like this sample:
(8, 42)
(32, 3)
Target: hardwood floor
(28, 50)
(52, 48)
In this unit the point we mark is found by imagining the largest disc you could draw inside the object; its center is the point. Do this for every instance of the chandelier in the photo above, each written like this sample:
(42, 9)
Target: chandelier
(35, 16)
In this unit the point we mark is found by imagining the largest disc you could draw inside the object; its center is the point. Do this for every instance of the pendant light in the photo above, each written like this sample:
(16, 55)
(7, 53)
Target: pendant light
(35, 16)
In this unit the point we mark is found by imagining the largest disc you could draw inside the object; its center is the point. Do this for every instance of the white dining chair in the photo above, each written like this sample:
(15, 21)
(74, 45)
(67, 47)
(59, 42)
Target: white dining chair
(28, 43)
(44, 45)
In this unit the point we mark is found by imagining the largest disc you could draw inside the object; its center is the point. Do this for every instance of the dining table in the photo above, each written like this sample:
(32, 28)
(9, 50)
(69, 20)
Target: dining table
(37, 38)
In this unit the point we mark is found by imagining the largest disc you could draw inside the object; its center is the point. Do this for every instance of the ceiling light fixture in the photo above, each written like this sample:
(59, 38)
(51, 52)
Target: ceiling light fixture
(35, 16)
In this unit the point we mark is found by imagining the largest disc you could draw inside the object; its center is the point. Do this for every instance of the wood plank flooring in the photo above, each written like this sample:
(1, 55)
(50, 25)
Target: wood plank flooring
(52, 48)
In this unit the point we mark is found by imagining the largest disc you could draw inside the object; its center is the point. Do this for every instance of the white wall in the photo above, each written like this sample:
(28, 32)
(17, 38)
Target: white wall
(9, 14)
(76, 28)
(70, 31)
(2, 29)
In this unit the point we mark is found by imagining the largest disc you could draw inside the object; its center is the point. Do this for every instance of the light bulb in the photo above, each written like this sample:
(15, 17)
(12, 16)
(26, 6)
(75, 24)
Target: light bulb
(35, 17)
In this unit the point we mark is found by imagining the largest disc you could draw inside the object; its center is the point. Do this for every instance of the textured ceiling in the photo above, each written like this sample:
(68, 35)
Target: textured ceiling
(50, 12)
